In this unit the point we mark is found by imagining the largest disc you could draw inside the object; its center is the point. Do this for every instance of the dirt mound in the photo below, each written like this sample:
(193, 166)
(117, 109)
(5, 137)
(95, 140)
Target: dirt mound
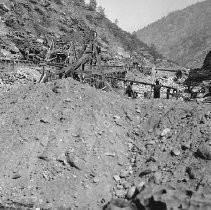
(64, 144)
(45, 130)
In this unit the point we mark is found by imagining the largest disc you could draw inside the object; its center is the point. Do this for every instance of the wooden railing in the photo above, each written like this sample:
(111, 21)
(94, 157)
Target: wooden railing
(142, 83)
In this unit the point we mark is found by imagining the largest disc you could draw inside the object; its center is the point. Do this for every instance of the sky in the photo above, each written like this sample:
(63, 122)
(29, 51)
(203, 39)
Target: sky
(136, 14)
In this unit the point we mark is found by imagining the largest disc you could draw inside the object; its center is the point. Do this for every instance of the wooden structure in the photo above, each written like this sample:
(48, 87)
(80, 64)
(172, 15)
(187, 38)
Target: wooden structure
(87, 67)
(143, 83)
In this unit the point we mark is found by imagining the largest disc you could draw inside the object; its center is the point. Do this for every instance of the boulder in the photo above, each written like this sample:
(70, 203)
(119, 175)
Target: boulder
(204, 151)
(118, 204)
(175, 152)
(155, 197)
(131, 192)
(165, 132)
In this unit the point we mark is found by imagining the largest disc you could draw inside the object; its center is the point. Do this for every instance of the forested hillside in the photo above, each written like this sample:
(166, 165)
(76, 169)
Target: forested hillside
(183, 36)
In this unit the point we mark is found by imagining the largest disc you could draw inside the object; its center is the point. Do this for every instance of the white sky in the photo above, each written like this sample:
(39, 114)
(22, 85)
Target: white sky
(135, 14)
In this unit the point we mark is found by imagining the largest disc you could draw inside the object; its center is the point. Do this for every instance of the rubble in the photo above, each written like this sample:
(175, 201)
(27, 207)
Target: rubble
(168, 197)
(165, 132)
(131, 192)
(119, 205)
(204, 151)
(175, 152)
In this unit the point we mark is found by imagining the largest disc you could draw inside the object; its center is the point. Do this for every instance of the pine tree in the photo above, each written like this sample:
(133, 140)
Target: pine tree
(79, 2)
(116, 21)
(93, 5)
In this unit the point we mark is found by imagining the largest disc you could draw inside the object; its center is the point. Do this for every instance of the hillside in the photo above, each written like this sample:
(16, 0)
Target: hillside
(29, 24)
(183, 36)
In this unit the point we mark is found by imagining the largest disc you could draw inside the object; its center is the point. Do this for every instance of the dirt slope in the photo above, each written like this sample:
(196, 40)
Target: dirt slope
(38, 126)
(67, 144)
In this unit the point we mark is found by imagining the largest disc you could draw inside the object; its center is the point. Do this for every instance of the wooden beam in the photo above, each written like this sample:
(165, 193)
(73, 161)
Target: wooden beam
(167, 70)
(140, 82)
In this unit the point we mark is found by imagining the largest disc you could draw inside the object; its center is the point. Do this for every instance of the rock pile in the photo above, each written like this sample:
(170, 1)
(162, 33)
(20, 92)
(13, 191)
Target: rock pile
(153, 197)
(170, 159)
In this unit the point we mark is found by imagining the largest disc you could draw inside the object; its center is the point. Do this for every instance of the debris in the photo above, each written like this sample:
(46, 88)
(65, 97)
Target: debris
(190, 172)
(56, 88)
(117, 204)
(4, 7)
(70, 160)
(151, 142)
(138, 110)
(165, 132)
(126, 184)
(175, 152)
(140, 186)
(124, 174)
(118, 122)
(132, 160)
(157, 177)
(96, 180)
(116, 117)
(131, 192)
(119, 187)
(120, 193)
(16, 176)
(110, 154)
(117, 178)
(204, 151)
(44, 157)
(44, 121)
(166, 197)
(186, 145)
(120, 162)
(153, 167)
(62, 158)
(145, 172)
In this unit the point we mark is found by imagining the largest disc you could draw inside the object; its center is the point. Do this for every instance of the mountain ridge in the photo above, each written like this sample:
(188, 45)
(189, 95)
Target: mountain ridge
(182, 36)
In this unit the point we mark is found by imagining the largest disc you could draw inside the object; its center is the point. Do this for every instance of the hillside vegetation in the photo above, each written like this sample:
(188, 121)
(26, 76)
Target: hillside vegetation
(183, 36)
(69, 19)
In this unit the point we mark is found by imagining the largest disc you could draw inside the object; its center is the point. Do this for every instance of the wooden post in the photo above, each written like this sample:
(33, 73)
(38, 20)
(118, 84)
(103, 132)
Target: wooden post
(43, 73)
(74, 50)
(13, 65)
(168, 93)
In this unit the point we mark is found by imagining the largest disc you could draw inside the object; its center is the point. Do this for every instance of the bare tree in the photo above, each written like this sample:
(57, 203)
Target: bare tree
(101, 10)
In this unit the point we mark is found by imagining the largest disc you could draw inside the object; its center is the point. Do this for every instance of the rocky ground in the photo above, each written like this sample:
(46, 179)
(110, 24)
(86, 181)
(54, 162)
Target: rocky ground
(68, 145)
